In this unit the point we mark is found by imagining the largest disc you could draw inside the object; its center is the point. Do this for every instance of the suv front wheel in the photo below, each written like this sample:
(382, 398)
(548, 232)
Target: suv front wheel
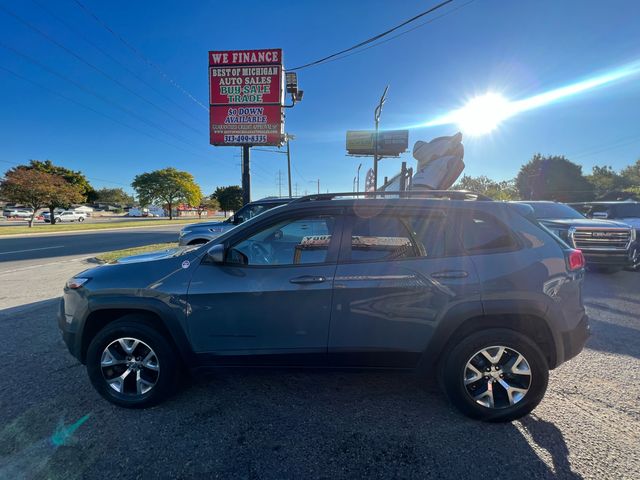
(131, 364)
(496, 375)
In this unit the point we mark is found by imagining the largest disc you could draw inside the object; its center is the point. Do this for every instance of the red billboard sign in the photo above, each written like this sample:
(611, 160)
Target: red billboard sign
(245, 97)
(246, 125)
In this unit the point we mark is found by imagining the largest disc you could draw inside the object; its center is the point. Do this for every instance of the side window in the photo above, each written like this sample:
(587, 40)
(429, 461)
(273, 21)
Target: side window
(430, 233)
(291, 242)
(381, 238)
(483, 233)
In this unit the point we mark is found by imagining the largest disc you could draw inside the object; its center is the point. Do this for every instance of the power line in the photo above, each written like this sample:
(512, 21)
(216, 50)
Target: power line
(374, 38)
(91, 65)
(113, 119)
(113, 59)
(431, 20)
(621, 142)
(92, 92)
(140, 55)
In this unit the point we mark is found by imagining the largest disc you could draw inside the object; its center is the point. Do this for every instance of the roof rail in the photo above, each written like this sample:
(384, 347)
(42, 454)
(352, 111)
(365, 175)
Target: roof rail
(442, 194)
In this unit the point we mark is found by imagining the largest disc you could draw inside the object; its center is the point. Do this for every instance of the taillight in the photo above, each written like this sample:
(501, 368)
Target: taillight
(575, 260)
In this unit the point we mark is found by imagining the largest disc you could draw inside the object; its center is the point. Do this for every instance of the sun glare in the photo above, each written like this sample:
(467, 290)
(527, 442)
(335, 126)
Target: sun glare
(482, 114)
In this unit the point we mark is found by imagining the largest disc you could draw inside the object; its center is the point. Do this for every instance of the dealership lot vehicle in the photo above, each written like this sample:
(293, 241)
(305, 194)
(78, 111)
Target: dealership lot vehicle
(475, 290)
(199, 233)
(608, 246)
(66, 216)
(17, 213)
(627, 212)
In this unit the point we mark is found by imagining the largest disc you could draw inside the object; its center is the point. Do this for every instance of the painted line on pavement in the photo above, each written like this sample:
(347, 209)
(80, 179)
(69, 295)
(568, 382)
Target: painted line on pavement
(31, 250)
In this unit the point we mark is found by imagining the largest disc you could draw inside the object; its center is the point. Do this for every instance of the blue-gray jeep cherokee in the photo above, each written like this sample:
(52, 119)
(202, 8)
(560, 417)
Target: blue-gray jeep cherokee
(477, 291)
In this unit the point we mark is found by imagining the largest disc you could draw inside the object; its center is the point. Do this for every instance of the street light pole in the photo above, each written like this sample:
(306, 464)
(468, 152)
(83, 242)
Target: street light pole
(289, 137)
(358, 179)
(376, 117)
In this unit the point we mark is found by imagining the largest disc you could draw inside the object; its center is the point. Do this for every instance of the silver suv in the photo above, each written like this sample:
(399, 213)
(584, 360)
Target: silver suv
(198, 233)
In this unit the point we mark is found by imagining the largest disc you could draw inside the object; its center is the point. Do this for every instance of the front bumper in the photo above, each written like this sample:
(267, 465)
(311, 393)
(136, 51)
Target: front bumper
(613, 259)
(69, 330)
(574, 340)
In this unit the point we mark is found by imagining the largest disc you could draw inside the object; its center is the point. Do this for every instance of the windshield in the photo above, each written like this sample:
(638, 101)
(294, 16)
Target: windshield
(248, 212)
(554, 210)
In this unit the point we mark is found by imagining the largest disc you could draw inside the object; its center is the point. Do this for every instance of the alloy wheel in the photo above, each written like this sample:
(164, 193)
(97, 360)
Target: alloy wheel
(497, 377)
(130, 366)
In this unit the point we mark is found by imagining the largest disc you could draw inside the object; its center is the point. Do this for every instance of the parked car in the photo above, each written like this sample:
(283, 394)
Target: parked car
(608, 246)
(627, 212)
(198, 233)
(477, 291)
(65, 216)
(17, 213)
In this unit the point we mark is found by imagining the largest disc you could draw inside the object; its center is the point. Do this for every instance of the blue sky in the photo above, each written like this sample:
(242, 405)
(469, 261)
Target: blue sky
(518, 48)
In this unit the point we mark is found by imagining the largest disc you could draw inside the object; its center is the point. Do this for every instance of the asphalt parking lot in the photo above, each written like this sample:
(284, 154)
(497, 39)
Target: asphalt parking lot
(296, 424)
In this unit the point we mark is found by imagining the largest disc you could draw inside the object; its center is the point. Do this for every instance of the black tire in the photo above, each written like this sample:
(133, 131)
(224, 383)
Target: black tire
(136, 327)
(81, 219)
(452, 374)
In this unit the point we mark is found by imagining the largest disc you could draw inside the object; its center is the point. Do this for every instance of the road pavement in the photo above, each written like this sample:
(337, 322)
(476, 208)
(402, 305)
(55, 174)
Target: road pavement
(20, 251)
(300, 424)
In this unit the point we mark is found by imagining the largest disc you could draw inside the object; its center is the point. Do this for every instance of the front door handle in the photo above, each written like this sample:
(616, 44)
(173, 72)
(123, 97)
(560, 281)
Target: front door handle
(308, 279)
(450, 274)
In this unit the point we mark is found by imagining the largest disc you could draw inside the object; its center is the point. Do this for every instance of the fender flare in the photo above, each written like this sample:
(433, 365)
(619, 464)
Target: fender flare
(170, 320)
(459, 314)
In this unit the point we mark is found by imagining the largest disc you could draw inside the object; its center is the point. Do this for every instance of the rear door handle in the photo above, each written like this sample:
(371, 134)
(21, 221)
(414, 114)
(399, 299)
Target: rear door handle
(308, 279)
(450, 274)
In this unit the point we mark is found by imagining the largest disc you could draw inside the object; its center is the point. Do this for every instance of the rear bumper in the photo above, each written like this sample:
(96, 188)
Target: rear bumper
(574, 340)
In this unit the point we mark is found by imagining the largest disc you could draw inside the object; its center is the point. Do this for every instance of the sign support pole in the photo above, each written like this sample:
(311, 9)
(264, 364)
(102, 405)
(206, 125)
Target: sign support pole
(289, 165)
(246, 175)
(376, 118)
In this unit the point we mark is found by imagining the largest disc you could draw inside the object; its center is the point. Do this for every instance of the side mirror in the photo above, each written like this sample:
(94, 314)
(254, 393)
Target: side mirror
(600, 215)
(237, 220)
(216, 253)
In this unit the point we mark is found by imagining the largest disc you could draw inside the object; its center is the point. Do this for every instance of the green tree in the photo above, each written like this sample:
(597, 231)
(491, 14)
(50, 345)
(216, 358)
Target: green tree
(36, 189)
(503, 190)
(74, 177)
(631, 176)
(604, 180)
(553, 178)
(229, 198)
(167, 186)
(114, 196)
(206, 204)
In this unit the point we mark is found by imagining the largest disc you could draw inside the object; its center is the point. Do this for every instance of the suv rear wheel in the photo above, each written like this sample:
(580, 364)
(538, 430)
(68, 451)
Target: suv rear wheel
(131, 364)
(496, 375)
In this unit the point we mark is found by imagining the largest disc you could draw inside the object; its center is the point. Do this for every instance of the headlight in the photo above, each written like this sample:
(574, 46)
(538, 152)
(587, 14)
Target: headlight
(183, 233)
(76, 282)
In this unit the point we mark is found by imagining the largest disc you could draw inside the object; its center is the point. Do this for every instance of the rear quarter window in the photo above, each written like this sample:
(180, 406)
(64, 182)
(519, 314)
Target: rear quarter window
(483, 233)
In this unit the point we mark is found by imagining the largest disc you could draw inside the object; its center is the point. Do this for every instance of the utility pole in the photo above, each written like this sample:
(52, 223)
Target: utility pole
(358, 179)
(376, 117)
(246, 177)
(316, 182)
(280, 183)
(318, 186)
(289, 137)
(354, 184)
